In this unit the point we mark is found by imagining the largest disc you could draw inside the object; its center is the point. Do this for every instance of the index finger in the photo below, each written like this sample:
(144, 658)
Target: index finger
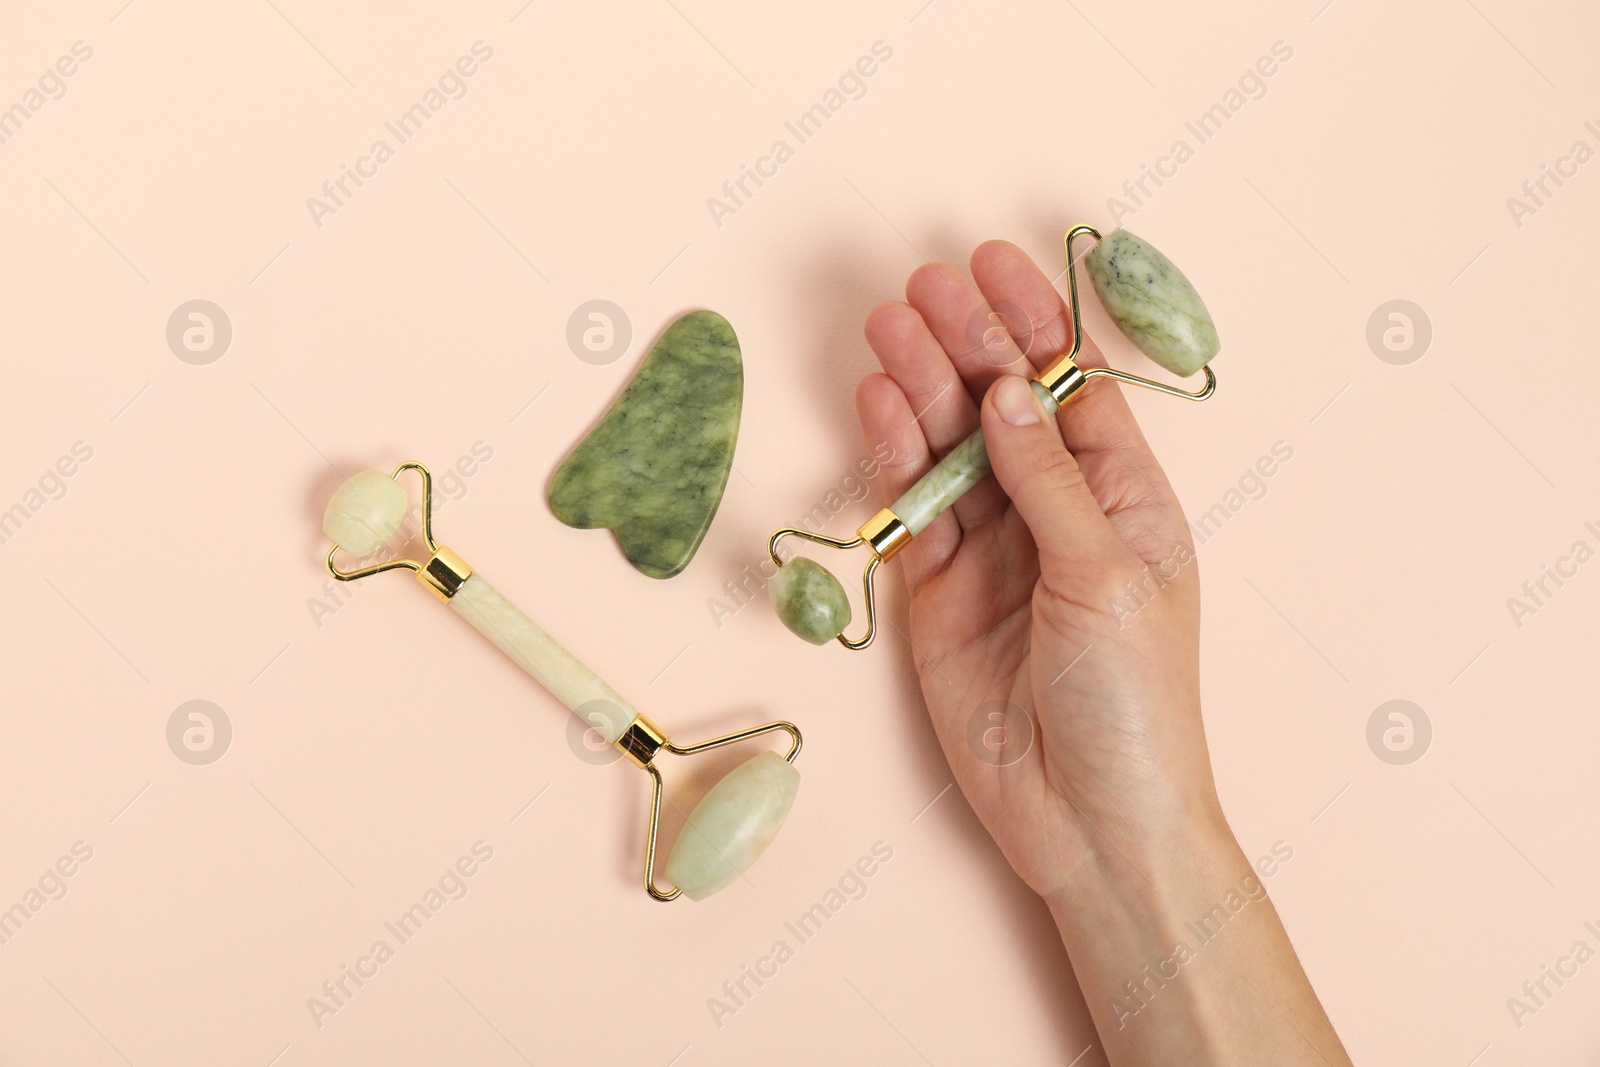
(1097, 426)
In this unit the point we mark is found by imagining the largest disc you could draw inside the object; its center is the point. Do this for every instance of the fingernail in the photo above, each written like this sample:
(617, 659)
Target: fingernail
(1014, 399)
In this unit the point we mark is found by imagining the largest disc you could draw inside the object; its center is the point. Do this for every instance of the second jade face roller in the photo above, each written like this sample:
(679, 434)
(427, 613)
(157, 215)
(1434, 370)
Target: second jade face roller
(738, 817)
(1150, 301)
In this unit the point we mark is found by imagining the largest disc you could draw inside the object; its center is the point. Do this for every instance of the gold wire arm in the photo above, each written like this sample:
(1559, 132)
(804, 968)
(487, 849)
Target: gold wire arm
(631, 745)
(427, 500)
(806, 535)
(872, 609)
(1072, 286)
(743, 735)
(395, 564)
(376, 568)
(1171, 390)
(650, 845)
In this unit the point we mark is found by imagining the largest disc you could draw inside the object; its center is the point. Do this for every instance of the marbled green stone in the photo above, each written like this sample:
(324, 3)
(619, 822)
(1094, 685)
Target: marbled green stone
(947, 482)
(654, 470)
(1152, 302)
(961, 469)
(809, 600)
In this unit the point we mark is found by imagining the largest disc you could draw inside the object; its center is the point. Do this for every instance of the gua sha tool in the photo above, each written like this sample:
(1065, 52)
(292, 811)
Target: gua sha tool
(1150, 301)
(735, 821)
(655, 467)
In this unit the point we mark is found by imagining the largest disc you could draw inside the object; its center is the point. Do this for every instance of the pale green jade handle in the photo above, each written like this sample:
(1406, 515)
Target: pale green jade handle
(952, 476)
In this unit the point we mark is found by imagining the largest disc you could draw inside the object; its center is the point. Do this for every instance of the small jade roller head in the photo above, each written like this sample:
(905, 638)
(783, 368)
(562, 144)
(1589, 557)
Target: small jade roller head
(365, 513)
(1151, 303)
(809, 600)
(733, 823)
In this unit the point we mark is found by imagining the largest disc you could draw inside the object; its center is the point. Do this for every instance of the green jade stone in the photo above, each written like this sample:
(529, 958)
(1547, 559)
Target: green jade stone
(809, 600)
(654, 469)
(1152, 302)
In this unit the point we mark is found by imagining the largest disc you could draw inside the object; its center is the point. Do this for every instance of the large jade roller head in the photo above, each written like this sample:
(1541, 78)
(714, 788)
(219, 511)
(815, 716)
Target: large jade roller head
(737, 818)
(1154, 306)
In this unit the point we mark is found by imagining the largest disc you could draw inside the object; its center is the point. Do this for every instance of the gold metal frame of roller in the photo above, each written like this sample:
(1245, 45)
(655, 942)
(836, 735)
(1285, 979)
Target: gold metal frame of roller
(885, 534)
(445, 572)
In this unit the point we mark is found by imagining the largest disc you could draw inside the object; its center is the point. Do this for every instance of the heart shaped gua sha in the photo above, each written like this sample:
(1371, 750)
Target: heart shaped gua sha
(654, 470)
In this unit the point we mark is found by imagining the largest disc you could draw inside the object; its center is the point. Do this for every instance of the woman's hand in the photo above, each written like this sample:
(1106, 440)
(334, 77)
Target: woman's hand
(1055, 622)
(1063, 590)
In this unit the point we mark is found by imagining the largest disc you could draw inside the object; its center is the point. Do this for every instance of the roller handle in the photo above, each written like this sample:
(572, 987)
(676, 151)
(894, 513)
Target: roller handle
(952, 476)
(535, 651)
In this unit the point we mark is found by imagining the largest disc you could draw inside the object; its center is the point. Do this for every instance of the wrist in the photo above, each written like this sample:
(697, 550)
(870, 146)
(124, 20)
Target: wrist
(1153, 879)
(1182, 958)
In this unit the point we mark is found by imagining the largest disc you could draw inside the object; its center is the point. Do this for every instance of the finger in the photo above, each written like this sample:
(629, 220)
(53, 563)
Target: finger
(1077, 546)
(891, 433)
(1097, 425)
(1033, 309)
(978, 348)
(910, 355)
(894, 436)
(938, 397)
(965, 326)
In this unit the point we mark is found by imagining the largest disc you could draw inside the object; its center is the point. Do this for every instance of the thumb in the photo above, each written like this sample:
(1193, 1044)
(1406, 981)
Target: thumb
(1044, 481)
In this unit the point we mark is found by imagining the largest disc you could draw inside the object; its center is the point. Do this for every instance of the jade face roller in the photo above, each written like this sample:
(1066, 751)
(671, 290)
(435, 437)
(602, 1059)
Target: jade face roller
(735, 821)
(1150, 301)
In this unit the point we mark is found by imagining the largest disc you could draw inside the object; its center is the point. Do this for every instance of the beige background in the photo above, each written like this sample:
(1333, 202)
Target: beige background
(374, 745)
